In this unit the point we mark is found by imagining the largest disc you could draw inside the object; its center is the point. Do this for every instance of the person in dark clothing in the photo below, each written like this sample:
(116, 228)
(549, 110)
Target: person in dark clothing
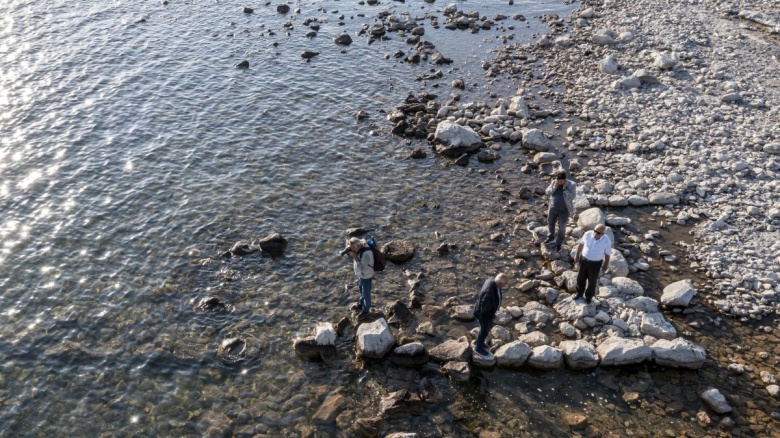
(488, 302)
(561, 193)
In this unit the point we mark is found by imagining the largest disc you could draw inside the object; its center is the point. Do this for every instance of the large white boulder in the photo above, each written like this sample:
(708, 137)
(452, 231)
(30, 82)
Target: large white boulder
(513, 354)
(678, 353)
(618, 266)
(590, 218)
(534, 339)
(622, 351)
(627, 286)
(536, 140)
(453, 140)
(374, 339)
(678, 293)
(545, 357)
(579, 355)
(655, 325)
(645, 304)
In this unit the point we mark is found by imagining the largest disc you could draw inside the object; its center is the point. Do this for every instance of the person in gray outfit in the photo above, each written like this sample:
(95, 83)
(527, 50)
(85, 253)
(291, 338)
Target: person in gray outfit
(560, 193)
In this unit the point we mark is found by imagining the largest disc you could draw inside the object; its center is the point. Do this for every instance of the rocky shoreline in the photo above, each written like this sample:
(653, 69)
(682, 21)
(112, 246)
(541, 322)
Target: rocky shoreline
(670, 110)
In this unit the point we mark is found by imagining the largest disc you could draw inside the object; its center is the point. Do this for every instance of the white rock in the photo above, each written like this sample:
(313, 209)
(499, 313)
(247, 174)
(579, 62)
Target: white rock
(374, 339)
(453, 140)
(772, 148)
(545, 357)
(572, 310)
(715, 401)
(645, 76)
(534, 339)
(644, 304)
(536, 140)
(545, 157)
(622, 351)
(678, 293)
(629, 83)
(604, 37)
(608, 65)
(627, 286)
(536, 312)
(463, 312)
(324, 334)
(502, 317)
(567, 330)
(773, 390)
(654, 324)
(678, 353)
(591, 217)
(602, 317)
(579, 355)
(664, 62)
(638, 201)
(663, 198)
(498, 332)
(513, 354)
(588, 13)
(518, 108)
(618, 266)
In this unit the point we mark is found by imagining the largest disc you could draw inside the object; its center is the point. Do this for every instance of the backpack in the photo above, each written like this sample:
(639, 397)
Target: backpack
(379, 258)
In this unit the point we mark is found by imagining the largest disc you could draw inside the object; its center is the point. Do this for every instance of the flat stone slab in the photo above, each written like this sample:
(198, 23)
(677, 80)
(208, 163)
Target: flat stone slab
(545, 357)
(452, 351)
(678, 353)
(622, 351)
(679, 293)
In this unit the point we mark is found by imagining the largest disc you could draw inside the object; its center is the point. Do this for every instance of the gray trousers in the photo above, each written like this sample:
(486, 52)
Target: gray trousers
(561, 217)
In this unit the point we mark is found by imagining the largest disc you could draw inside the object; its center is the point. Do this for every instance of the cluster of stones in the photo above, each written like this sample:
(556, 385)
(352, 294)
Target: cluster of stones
(675, 113)
(273, 244)
(471, 20)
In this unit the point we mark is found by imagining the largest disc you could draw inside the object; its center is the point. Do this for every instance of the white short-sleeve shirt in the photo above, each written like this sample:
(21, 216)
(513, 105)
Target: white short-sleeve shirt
(595, 250)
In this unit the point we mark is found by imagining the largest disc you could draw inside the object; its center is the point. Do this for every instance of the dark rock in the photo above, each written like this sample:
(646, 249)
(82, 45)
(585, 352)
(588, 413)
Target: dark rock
(308, 348)
(358, 231)
(308, 54)
(398, 251)
(213, 424)
(368, 427)
(273, 244)
(398, 313)
(377, 30)
(429, 392)
(362, 115)
(488, 156)
(411, 108)
(343, 39)
(248, 10)
(400, 402)
(398, 54)
(463, 160)
(242, 64)
(242, 249)
(232, 350)
(329, 409)
(417, 152)
(525, 193)
(413, 39)
(282, 9)
(400, 128)
(443, 249)
(311, 34)
(212, 304)
(439, 59)
(372, 2)
(413, 58)
(342, 325)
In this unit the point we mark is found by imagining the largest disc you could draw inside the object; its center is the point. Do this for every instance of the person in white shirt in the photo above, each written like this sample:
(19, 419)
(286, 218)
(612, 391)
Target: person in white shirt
(593, 252)
(363, 263)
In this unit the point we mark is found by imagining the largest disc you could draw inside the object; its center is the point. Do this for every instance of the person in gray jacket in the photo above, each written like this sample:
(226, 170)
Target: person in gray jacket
(363, 264)
(560, 193)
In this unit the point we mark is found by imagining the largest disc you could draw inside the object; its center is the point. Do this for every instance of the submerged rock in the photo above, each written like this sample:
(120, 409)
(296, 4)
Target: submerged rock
(457, 371)
(403, 401)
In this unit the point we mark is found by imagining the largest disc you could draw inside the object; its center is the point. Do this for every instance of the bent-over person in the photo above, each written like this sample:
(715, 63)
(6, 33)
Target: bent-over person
(485, 308)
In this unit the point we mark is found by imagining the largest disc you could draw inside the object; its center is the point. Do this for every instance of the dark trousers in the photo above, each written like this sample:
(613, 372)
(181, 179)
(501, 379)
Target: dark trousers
(589, 271)
(484, 330)
(561, 218)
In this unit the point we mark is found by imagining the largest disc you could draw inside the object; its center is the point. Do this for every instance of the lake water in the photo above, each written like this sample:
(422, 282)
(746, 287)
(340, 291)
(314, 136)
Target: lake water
(133, 153)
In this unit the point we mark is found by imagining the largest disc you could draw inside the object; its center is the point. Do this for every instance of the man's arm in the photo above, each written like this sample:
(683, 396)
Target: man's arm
(550, 189)
(605, 267)
(577, 255)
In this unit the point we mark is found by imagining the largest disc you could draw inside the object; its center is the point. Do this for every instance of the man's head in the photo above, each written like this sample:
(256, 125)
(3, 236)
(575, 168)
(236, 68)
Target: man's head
(599, 231)
(355, 244)
(560, 178)
(502, 280)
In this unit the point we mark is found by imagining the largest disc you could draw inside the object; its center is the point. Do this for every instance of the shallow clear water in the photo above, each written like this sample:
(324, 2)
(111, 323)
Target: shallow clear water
(132, 154)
